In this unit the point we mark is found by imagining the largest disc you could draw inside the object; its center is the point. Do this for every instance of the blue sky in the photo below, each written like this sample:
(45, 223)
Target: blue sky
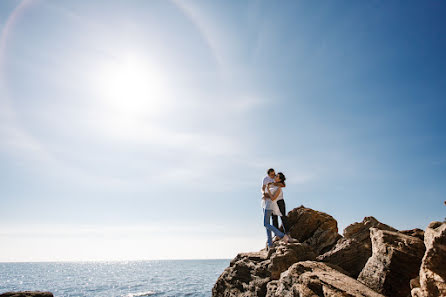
(128, 128)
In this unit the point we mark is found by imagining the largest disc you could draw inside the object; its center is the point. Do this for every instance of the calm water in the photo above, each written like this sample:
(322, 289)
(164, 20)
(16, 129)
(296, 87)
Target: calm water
(127, 279)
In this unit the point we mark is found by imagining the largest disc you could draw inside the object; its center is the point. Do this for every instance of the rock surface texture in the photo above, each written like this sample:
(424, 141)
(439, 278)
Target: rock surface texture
(317, 229)
(395, 260)
(385, 261)
(311, 278)
(431, 280)
(352, 252)
(249, 273)
(27, 294)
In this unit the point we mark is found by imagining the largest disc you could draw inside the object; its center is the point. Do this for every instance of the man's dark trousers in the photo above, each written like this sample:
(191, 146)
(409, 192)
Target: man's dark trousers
(284, 218)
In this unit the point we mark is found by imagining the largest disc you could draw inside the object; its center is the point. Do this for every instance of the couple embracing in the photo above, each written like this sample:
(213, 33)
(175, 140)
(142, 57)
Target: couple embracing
(274, 206)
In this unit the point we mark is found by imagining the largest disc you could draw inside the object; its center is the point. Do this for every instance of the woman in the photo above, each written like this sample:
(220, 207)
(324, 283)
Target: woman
(270, 207)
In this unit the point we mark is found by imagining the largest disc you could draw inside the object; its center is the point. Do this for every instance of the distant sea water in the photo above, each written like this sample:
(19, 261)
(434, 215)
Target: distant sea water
(114, 279)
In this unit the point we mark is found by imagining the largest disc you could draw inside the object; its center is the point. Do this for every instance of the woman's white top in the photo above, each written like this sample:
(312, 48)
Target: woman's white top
(267, 203)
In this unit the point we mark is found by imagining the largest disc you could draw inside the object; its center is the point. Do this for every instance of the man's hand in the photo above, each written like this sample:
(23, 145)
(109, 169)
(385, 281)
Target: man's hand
(266, 195)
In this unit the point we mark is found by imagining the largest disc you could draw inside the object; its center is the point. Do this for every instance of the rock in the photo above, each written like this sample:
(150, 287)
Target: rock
(352, 252)
(249, 273)
(285, 255)
(433, 267)
(414, 232)
(27, 294)
(415, 282)
(395, 260)
(349, 254)
(311, 278)
(385, 260)
(361, 231)
(317, 229)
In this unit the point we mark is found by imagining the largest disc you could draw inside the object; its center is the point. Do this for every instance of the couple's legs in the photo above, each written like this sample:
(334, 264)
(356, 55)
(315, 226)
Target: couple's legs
(284, 218)
(266, 222)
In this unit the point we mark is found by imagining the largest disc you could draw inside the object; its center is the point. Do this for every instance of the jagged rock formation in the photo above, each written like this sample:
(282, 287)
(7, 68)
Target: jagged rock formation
(311, 278)
(395, 260)
(432, 279)
(27, 294)
(325, 263)
(353, 250)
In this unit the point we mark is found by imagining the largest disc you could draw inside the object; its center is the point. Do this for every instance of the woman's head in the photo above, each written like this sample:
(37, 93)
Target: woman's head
(280, 178)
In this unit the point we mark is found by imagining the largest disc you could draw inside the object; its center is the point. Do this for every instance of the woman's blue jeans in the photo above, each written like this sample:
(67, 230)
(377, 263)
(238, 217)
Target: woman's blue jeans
(267, 213)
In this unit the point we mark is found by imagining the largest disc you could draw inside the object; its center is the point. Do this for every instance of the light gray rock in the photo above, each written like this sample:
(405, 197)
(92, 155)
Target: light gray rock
(432, 278)
(309, 278)
(395, 260)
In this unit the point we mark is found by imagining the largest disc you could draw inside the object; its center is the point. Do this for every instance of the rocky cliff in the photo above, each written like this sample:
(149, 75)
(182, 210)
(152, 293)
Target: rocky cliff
(370, 259)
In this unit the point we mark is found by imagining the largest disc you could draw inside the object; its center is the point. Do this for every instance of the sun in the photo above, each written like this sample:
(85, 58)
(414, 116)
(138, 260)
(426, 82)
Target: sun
(132, 86)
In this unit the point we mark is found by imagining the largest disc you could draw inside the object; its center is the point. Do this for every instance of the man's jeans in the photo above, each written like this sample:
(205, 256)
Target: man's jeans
(266, 222)
(284, 218)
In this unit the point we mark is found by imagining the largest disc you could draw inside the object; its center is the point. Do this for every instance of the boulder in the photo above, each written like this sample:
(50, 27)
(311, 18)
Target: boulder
(27, 294)
(395, 260)
(352, 252)
(432, 278)
(249, 273)
(317, 229)
(311, 278)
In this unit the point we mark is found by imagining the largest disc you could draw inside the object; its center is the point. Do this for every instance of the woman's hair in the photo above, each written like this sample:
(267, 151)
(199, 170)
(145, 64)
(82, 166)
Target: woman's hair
(282, 177)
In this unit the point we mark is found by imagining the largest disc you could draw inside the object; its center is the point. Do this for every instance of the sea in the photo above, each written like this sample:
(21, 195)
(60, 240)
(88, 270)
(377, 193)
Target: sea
(114, 279)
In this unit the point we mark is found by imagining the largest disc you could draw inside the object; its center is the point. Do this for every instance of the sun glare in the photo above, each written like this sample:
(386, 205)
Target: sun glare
(133, 87)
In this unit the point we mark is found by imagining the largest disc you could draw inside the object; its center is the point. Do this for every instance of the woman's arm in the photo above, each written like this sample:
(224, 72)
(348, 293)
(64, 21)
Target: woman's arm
(276, 194)
(264, 194)
(269, 192)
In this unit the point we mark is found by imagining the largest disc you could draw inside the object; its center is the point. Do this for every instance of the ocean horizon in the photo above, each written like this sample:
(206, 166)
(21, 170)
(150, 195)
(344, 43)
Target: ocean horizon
(114, 278)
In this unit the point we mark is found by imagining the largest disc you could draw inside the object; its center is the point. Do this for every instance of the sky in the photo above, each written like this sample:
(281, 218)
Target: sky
(143, 129)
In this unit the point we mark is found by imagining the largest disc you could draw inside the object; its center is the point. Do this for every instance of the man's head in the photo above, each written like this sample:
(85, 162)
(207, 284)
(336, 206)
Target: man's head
(271, 173)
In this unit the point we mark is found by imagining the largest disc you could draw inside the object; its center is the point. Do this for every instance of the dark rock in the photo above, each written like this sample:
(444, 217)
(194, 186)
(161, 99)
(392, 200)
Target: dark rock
(317, 229)
(27, 294)
(311, 278)
(432, 278)
(352, 252)
(395, 260)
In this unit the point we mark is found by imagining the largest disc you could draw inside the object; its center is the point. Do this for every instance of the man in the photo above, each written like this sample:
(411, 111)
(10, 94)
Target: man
(269, 178)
